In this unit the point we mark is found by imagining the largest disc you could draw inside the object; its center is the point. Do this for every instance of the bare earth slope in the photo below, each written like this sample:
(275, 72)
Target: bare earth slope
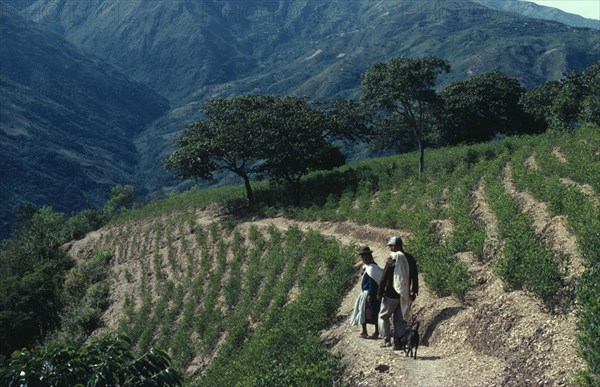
(493, 338)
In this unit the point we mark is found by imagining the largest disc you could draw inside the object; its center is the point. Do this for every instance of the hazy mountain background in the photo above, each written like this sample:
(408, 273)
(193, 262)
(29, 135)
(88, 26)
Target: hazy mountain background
(537, 11)
(67, 120)
(187, 51)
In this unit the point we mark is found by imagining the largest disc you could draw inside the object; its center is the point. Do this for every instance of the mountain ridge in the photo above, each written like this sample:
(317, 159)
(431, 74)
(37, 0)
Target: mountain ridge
(188, 51)
(538, 11)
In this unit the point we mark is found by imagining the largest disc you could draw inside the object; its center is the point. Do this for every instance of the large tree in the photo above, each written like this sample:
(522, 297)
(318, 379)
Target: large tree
(276, 137)
(483, 106)
(299, 137)
(230, 138)
(400, 95)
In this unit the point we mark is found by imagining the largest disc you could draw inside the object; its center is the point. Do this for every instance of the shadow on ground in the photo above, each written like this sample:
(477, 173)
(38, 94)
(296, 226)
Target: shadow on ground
(442, 316)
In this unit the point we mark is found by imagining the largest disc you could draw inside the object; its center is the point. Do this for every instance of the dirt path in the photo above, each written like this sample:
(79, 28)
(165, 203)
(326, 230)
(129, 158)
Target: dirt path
(493, 338)
(370, 365)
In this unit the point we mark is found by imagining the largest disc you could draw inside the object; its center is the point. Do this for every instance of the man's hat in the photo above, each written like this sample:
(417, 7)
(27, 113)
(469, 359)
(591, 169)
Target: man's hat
(364, 249)
(395, 241)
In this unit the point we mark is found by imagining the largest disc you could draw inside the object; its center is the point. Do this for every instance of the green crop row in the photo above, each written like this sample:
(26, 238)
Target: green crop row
(285, 349)
(582, 213)
(526, 261)
(581, 153)
(236, 284)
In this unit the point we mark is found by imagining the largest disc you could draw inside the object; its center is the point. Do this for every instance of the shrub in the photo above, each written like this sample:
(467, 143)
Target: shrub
(103, 362)
(588, 296)
(85, 296)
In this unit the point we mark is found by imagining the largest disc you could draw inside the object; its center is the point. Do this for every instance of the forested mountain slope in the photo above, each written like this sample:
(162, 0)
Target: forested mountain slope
(190, 50)
(67, 121)
(506, 240)
(186, 48)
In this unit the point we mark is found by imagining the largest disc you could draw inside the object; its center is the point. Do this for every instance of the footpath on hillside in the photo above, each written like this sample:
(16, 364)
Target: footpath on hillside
(367, 363)
(493, 338)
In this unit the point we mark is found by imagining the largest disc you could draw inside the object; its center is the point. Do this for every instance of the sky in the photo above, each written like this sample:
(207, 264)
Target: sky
(586, 8)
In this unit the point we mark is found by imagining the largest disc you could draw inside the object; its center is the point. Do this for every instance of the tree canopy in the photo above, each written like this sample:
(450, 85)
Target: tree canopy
(401, 97)
(229, 138)
(105, 361)
(483, 106)
(267, 136)
(564, 103)
(298, 143)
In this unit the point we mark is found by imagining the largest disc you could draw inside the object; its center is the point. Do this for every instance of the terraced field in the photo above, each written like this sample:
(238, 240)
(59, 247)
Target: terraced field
(507, 239)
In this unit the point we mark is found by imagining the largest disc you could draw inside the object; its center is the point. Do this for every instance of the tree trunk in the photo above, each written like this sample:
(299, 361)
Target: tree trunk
(249, 193)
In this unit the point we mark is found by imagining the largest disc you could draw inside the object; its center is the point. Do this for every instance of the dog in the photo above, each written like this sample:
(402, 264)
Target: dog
(412, 340)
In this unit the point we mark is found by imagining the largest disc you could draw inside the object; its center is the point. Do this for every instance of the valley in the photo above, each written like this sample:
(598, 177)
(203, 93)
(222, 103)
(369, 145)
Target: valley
(302, 48)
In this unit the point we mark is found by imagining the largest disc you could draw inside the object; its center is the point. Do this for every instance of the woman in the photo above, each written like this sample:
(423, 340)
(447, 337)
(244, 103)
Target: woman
(366, 307)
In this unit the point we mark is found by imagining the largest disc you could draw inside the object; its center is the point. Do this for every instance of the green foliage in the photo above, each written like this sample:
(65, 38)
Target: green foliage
(483, 106)
(85, 296)
(285, 348)
(29, 305)
(568, 102)
(583, 216)
(588, 296)
(106, 361)
(297, 144)
(229, 139)
(35, 241)
(279, 137)
(526, 261)
(31, 272)
(82, 222)
(403, 89)
(121, 197)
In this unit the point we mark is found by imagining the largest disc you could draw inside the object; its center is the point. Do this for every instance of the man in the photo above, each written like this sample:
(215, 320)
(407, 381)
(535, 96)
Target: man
(398, 287)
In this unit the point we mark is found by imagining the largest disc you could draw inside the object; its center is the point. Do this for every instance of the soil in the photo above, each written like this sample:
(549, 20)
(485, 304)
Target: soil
(493, 337)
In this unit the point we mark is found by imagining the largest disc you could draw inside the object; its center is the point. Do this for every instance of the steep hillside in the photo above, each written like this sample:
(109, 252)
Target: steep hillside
(191, 50)
(19, 4)
(186, 48)
(207, 283)
(66, 122)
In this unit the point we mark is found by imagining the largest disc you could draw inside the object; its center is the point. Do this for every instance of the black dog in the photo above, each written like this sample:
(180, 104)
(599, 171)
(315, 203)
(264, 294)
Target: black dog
(412, 341)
